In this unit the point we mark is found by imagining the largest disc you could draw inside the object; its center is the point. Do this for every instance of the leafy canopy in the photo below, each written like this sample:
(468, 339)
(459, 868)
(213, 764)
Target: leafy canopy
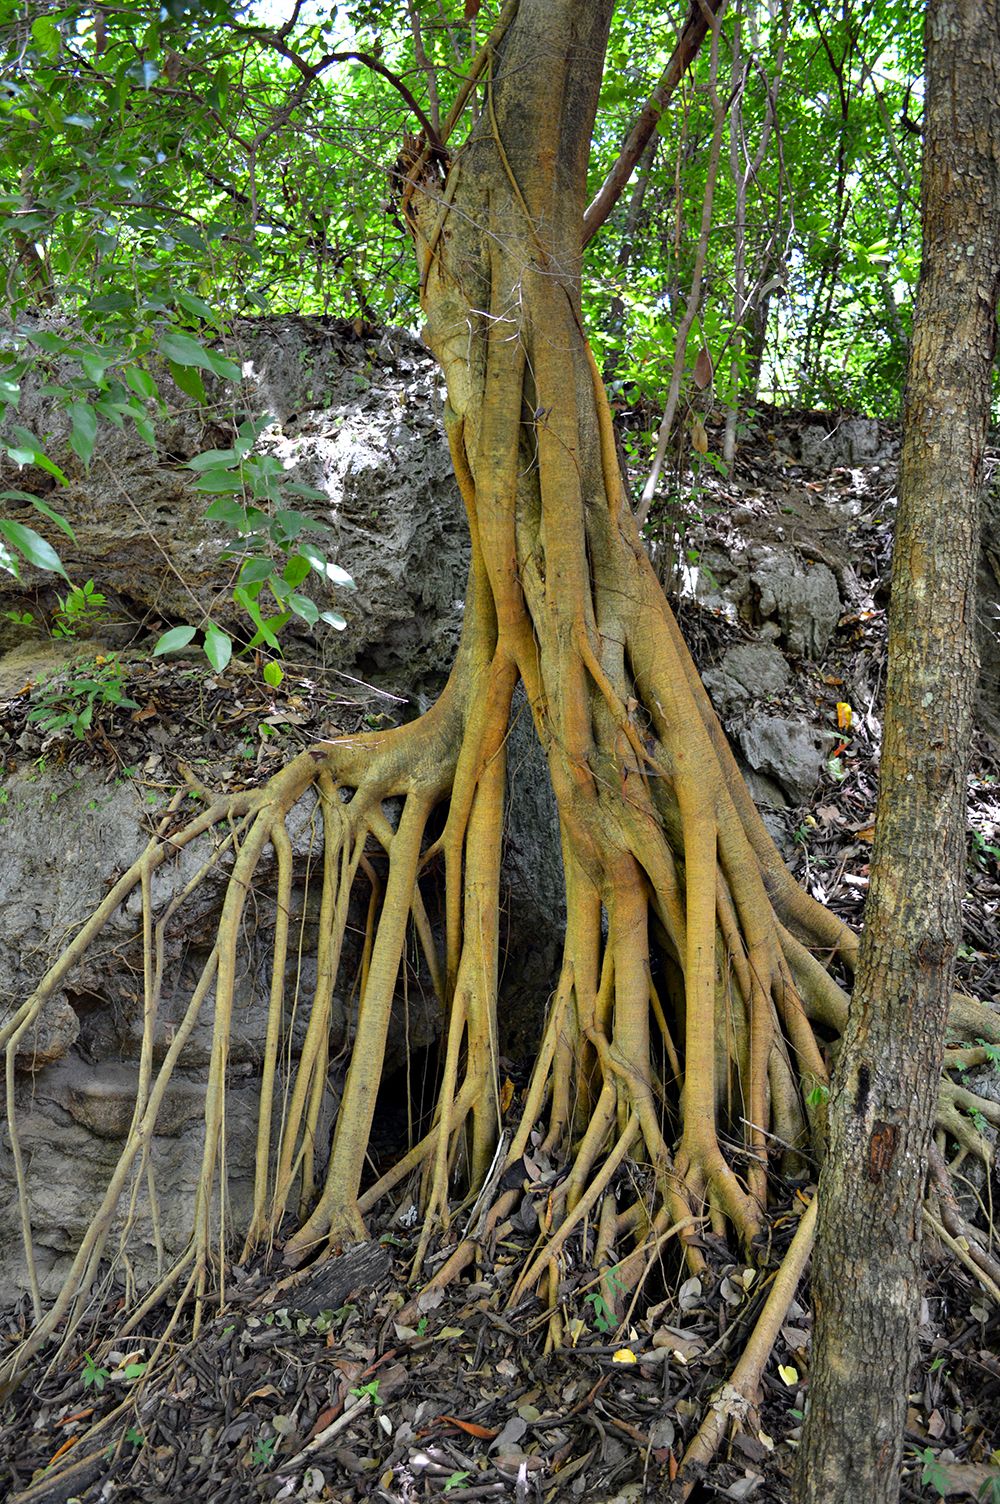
(165, 168)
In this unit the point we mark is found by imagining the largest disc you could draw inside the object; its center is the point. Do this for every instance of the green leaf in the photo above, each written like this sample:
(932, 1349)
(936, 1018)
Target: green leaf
(218, 647)
(273, 674)
(334, 618)
(255, 570)
(83, 432)
(43, 507)
(198, 308)
(188, 380)
(45, 35)
(177, 637)
(296, 570)
(145, 430)
(222, 366)
(183, 350)
(27, 444)
(211, 459)
(140, 381)
(219, 481)
(32, 546)
(111, 302)
(228, 511)
(322, 565)
(94, 367)
(50, 342)
(305, 608)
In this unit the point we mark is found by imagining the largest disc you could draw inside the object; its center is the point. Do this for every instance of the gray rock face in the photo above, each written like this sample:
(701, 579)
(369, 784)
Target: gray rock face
(77, 1069)
(804, 601)
(749, 671)
(791, 752)
(359, 420)
(773, 590)
(827, 442)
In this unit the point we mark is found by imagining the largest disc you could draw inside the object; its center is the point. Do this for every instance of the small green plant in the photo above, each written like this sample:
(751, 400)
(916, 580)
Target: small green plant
(135, 1436)
(79, 610)
(602, 1302)
(818, 1095)
(263, 1451)
(933, 1475)
(984, 852)
(251, 492)
(454, 1480)
(368, 1391)
(69, 703)
(991, 1051)
(94, 1377)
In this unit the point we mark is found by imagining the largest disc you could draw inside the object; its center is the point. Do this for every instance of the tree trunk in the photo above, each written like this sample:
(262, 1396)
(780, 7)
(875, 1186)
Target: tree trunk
(866, 1279)
(683, 1032)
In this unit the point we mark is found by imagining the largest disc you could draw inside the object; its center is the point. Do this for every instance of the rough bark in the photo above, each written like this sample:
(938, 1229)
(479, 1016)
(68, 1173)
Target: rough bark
(866, 1279)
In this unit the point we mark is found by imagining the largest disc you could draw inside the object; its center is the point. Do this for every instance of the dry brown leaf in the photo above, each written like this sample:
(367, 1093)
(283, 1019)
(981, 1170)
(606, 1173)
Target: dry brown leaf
(702, 369)
(485, 1433)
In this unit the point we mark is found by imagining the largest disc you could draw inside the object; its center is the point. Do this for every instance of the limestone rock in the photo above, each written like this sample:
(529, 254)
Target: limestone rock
(804, 600)
(52, 1035)
(791, 752)
(357, 419)
(749, 671)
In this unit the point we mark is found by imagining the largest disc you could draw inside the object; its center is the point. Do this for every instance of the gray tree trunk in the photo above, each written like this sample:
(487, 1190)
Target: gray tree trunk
(866, 1279)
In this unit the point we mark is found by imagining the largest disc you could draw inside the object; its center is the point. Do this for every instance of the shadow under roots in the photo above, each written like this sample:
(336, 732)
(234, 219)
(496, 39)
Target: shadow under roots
(404, 1110)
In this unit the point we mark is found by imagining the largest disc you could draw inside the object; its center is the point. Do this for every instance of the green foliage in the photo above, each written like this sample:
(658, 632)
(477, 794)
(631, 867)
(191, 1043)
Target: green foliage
(263, 1451)
(933, 1475)
(367, 1391)
(602, 1300)
(79, 611)
(165, 169)
(93, 1376)
(69, 700)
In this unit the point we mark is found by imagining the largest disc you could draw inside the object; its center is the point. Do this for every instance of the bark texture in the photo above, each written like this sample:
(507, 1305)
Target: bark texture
(866, 1279)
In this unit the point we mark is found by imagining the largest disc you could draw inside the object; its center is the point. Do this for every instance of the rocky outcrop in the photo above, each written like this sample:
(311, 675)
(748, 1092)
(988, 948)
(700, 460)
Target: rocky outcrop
(356, 418)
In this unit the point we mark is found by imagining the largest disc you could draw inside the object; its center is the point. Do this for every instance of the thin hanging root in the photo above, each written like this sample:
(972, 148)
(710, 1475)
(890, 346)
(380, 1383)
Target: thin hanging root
(550, 1250)
(732, 1403)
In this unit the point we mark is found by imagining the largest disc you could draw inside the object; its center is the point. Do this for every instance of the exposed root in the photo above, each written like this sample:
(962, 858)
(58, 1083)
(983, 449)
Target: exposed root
(699, 993)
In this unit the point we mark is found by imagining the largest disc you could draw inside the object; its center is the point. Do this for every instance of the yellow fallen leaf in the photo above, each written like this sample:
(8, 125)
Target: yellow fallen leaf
(844, 715)
(699, 438)
(788, 1374)
(624, 1355)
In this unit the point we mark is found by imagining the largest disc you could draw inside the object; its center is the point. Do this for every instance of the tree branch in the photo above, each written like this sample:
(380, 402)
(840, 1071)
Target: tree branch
(693, 34)
(311, 71)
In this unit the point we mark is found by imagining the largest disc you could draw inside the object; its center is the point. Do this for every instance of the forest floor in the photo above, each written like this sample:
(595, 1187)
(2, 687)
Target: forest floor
(316, 1390)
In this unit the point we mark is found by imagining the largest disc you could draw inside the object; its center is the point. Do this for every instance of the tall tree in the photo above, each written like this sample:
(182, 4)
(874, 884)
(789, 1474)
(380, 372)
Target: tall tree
(686, 1026)
(866, 1279)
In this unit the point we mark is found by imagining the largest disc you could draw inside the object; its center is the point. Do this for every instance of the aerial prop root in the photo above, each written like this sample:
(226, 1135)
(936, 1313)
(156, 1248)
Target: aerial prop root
(595, 1092)
(352, 779)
